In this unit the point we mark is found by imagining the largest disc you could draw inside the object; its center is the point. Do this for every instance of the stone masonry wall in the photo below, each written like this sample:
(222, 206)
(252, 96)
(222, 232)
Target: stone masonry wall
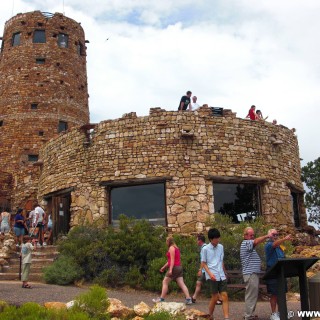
(57, 86)
(188, 149)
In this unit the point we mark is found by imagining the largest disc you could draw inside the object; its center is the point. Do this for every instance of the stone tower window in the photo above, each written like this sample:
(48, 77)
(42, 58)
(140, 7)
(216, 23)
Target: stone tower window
(80, 49)
(139, 201)
(16, 39)
(295, 199)
(63, 126)
(40, 60)
(1, 123)
(33, 157)
(34, 106)
(41, 133)
(239, 201)
(39, 36)
(63, 40)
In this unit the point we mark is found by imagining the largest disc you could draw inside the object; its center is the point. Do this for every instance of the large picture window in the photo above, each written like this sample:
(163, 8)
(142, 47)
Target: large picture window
(140, 202)
(239, 201)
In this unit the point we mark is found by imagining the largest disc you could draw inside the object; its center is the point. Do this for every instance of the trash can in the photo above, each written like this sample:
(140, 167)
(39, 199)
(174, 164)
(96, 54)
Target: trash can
(314, 292)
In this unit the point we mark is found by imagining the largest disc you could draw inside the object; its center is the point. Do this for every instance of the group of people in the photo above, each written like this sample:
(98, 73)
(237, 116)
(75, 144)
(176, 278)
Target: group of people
(190, 104)
(29, 232)
(187, 104)
(35, 224)
(213, 272)
(257, 115)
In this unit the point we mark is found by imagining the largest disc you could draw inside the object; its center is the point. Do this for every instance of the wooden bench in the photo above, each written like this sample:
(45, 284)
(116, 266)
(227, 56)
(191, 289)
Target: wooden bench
(235, 282)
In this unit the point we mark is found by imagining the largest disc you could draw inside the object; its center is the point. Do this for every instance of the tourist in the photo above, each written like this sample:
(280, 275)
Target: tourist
(251, 267)
(49, 229)
(260, 116)
(40, 223)
(5, 222)
(18, 227)
(274, 251)
(212, 261)
(185, 102)
(26, 259)
(194, 105)
(252, 113)
(174, 272)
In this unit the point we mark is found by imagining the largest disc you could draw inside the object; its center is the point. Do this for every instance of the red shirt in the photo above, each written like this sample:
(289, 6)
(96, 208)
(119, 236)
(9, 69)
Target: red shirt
(252, 114)
(177, 261)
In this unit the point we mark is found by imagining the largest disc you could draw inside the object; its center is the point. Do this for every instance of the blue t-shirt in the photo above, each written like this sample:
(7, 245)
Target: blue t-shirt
(18, 224)
(272, 254)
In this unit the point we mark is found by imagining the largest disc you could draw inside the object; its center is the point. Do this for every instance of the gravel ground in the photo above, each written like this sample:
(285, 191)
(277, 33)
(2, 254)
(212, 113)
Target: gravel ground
(13, 293)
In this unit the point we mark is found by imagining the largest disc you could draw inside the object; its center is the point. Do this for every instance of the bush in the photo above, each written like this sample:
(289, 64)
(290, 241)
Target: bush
(94, 303)
(63, 271)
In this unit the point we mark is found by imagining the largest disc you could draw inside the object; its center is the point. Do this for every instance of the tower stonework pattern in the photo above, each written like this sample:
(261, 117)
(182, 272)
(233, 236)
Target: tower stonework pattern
(43, 92)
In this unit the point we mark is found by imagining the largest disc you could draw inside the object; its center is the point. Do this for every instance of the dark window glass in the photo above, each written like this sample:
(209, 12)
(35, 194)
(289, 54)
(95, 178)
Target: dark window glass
(63, 126)
(40, 60)
(39, 36)
(140, 201)
(295, 209)
(80, 49)
(63, 40)
(33, 157)
(239, 201)
(1, 123)
(16, 39)
(41, 133)
(34, 106)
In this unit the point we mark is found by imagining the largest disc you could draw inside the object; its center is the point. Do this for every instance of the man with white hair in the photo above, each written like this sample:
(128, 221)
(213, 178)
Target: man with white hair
(274, 251)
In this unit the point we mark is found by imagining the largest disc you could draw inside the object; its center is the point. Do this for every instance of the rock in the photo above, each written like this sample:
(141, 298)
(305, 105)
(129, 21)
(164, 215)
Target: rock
(55, 305)
(141, 309)
(118, 309)
(194, 314)
(173, 308)
(70, 304)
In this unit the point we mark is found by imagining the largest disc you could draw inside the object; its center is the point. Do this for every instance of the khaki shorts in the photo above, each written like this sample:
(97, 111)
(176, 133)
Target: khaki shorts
(176, 273)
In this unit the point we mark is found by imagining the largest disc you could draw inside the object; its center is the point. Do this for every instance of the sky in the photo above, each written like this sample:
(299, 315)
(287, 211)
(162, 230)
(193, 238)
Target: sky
(229, 53)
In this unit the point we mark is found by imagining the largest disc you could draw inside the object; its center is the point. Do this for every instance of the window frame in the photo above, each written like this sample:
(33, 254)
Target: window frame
(65, 126)
(40, 39)
(14, 42)
(237, 217)
(151, 219)
(66, 36)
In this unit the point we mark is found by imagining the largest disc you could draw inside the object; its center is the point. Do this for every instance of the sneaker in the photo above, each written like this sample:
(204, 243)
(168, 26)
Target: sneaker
(188, 301)
(193, 300)
(44, 244)
(158, 300)
(274, 316)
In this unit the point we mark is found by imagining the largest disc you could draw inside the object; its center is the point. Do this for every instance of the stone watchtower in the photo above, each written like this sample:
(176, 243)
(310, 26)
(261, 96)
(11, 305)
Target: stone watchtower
(43, 93)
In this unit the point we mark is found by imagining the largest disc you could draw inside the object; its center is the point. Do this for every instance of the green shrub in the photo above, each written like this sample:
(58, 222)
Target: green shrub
(134, 278)
(63, 271)
(94, 303)
(112, 277)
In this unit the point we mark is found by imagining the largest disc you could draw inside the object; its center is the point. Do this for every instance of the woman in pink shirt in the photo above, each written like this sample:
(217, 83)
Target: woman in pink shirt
(174, 272)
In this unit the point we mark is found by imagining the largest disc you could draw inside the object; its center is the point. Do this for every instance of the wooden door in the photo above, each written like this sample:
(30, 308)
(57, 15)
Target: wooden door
(60, 206)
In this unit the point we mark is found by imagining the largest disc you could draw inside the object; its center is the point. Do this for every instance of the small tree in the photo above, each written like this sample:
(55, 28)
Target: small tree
(311, 177)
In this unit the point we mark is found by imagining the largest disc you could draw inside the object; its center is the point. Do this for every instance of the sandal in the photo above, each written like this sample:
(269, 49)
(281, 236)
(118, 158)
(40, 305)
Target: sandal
(219, 302)
(27, 286)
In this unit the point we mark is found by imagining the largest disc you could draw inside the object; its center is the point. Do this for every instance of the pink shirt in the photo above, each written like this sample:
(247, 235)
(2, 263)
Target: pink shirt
(177, 261)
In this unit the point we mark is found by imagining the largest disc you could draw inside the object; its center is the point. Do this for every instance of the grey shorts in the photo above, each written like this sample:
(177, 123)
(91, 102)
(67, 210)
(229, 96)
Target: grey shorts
(177, 272)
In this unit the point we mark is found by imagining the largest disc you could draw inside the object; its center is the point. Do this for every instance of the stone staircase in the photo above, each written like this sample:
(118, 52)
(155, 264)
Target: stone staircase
(42, 257)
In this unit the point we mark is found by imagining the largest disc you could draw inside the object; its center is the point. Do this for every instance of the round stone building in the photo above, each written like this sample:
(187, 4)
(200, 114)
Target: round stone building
(174, 169)
(43, 92)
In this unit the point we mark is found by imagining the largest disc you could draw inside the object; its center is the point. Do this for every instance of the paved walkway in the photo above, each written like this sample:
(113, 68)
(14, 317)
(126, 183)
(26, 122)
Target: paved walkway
(12, 292)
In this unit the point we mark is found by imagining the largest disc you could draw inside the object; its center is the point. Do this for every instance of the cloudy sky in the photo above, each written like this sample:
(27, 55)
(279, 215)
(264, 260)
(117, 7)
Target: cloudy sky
(230, 53)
